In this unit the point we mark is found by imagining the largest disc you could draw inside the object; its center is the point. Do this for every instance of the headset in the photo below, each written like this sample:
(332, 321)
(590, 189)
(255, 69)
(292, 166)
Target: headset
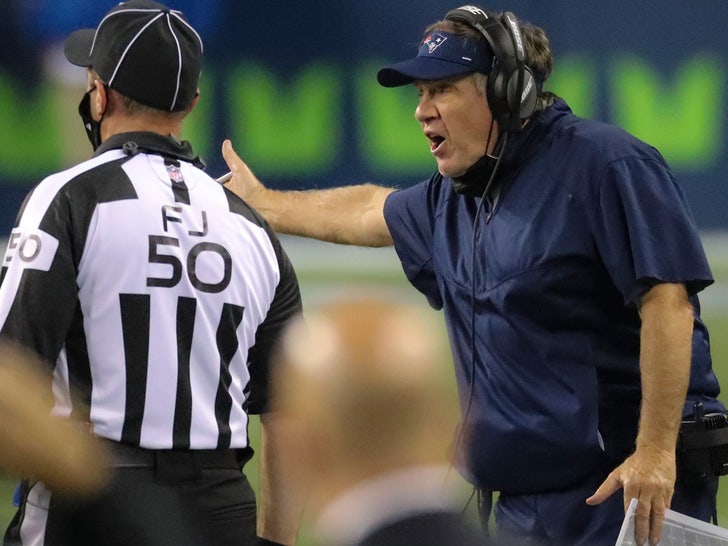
(511, 89)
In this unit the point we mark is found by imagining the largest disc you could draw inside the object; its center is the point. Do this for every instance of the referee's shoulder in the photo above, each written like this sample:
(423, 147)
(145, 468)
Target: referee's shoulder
(71, 174)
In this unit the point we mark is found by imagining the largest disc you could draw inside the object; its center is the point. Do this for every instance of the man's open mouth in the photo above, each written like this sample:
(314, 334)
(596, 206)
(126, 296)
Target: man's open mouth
(435, 141)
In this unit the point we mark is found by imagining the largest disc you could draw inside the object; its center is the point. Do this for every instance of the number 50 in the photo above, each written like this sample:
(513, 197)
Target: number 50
(156, 244)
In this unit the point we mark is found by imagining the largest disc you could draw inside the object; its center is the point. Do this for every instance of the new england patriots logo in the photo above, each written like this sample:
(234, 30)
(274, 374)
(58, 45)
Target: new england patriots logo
(433, 41)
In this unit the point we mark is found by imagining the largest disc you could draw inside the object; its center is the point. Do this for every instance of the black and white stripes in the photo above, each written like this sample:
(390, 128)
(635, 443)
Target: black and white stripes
(157, 300)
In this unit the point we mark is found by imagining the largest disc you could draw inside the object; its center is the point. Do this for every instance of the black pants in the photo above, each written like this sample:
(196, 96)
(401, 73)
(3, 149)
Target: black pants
(179, 500)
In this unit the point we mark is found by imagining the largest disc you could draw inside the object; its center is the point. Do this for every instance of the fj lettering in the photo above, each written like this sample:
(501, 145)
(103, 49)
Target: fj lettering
(174, 214)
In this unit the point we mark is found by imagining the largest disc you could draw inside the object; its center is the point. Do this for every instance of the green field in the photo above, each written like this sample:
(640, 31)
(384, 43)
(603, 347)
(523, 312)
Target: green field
(327, 269)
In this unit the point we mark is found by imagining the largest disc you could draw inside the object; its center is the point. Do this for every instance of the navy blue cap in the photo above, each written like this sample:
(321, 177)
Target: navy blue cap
(441, 55)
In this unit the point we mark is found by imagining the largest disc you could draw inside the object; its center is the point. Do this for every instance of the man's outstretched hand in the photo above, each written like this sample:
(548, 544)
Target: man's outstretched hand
(243, 182)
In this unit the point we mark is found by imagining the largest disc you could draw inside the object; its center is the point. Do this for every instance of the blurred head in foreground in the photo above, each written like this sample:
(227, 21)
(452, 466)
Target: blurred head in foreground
(34, 444)
(366, 385)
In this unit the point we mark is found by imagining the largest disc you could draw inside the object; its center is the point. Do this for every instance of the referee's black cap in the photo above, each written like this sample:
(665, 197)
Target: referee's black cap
(145, 51)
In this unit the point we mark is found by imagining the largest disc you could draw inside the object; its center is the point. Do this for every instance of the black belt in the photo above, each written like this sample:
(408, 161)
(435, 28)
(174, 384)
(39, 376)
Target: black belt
(129, 456)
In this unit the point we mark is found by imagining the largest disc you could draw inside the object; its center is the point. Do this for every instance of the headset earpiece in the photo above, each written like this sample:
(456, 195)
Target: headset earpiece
(511, 89)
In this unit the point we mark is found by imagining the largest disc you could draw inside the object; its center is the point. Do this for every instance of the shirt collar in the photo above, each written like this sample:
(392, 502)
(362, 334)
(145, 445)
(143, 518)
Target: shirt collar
(155, 143)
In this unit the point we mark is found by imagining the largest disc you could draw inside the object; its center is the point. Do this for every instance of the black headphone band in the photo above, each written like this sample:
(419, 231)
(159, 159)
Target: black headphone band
(512, 91)
(490, 28)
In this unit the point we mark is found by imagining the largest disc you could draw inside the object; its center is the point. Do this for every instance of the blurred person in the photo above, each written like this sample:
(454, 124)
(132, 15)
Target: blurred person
(33, 443)
(567, 263)
(363, 390)
(155, 295)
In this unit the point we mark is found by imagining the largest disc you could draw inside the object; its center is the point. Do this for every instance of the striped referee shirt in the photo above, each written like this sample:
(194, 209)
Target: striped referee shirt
(155, 292)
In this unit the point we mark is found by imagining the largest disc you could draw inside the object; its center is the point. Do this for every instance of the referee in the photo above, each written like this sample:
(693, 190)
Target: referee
(156, 295)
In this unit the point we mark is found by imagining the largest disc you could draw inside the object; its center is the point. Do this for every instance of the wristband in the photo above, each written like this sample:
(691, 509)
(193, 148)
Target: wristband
(265, 542)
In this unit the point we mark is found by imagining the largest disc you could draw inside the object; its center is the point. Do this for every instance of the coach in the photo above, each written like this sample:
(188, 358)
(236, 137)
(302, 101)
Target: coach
(156, 294)
(567, 263)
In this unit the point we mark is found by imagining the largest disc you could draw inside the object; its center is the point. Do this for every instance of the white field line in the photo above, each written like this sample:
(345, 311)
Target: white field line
(313, 257)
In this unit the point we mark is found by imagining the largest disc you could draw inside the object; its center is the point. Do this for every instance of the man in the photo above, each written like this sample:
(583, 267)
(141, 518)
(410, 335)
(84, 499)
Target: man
(567, 263)
(362, 388)
(156, 295)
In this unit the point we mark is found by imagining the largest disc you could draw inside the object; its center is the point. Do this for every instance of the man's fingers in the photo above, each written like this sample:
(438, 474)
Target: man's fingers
(236, 164)
(230, 156)
(605, 490)
(648, 519)
(242, 180)
(657, 517)
(642, 521)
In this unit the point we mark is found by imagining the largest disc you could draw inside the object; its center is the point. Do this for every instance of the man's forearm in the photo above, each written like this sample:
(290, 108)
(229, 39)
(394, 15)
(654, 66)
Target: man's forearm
(350, 215)
(666, 343)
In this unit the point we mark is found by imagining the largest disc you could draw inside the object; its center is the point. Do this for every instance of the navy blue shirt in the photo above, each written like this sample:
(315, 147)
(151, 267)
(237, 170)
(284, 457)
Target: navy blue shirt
(587, 220)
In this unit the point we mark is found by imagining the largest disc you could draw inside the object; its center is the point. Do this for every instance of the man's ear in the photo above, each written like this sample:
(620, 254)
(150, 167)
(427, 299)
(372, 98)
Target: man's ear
(193, 103)
(100, 101)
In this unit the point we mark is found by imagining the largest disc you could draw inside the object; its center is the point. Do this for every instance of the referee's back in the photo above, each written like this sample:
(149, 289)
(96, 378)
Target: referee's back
(156, 296)
(154, 282)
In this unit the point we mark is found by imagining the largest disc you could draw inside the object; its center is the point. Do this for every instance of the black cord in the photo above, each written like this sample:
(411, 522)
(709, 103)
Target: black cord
(467, 503)
(473, 359)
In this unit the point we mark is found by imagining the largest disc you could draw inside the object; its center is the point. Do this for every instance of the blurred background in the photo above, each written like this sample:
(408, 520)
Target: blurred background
(293, 83)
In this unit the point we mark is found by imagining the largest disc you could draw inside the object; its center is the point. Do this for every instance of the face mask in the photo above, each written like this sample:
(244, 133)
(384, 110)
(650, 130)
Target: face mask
(474, 181)
(93, 127)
